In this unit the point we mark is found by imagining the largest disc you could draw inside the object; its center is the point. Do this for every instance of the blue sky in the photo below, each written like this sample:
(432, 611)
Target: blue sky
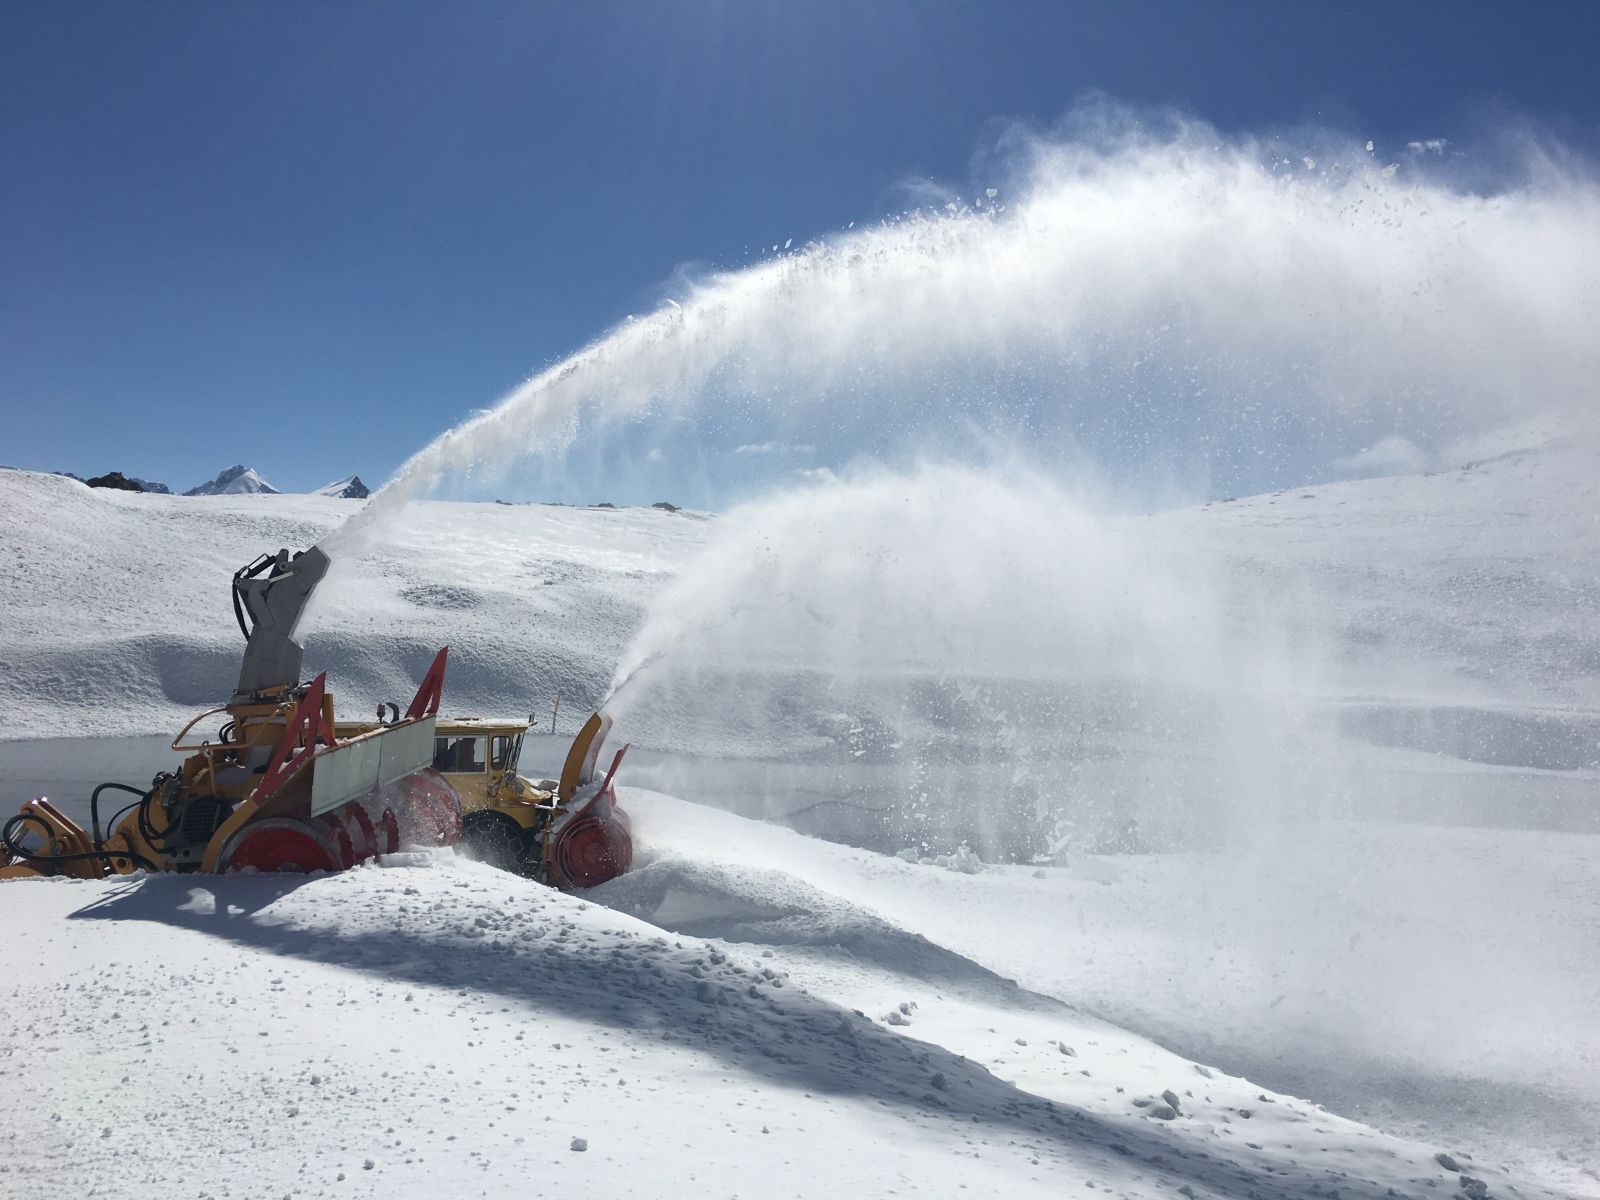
(309, 237)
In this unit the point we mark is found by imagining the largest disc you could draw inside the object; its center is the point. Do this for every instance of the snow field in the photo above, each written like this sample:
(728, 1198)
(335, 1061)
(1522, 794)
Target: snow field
(1466, 1014)
(434, 1027)
(1439, 983)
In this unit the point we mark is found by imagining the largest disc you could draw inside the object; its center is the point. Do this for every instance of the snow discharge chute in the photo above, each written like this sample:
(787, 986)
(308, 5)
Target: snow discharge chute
(592, 840)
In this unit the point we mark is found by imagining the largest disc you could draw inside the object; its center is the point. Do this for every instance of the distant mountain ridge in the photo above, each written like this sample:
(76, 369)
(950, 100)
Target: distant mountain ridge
(345, 489)
(116, 480)
(240, 480)
(237, 480)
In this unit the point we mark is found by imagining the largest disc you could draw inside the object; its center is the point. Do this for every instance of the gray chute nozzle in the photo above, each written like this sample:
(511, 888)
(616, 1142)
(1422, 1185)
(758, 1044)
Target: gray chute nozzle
(272, 593)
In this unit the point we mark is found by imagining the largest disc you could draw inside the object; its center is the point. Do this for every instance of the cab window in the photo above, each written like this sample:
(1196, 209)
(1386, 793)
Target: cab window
(499, 752)
(458, 755)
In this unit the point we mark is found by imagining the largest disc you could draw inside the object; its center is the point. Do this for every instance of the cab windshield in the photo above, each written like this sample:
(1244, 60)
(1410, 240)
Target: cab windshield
(459, 755)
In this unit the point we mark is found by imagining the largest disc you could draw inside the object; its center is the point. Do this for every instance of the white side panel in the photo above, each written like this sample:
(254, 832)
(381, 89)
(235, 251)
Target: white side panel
(344, 774)
(407, 749)
(350, 771)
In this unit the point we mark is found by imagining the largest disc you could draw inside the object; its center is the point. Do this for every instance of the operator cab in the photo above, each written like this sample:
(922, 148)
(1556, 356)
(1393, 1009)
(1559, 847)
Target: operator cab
(503, 812)
(458, 753)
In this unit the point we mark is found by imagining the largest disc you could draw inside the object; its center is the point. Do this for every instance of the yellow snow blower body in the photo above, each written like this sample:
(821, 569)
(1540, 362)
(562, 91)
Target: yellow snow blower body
(282, 788)
(531, 827)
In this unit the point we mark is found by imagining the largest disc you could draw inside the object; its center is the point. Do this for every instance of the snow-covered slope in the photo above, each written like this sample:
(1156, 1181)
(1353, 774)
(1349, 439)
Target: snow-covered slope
(1430, 981)
(237, 480)
(1479, 583)
(1285, 981)
(115, 614)
(437, 1028)
(1465, 607)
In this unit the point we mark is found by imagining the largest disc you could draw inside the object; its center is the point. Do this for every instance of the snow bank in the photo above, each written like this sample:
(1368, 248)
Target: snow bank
(436, 1027)
(1341, 969)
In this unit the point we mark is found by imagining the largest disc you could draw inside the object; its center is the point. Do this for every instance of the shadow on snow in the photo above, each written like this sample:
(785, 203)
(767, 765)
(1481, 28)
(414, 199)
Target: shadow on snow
(665, 992)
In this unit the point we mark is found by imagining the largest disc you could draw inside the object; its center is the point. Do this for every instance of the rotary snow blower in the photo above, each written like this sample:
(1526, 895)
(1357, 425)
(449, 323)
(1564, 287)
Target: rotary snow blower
(568, 832)
(280, 790)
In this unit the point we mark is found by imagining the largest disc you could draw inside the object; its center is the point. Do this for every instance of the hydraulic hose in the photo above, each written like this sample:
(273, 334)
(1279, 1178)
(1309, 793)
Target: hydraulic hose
(116, 817)
(146, 830)
(248, 571)
(8, 836)
(94, 805)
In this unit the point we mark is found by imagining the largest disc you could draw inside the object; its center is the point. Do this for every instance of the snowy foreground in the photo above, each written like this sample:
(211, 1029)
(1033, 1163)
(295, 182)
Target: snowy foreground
(1429, 969)
(431, 1027)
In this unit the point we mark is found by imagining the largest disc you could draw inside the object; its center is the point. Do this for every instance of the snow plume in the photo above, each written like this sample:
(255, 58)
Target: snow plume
(1143, 288)
(1393, 455)
(970, 655)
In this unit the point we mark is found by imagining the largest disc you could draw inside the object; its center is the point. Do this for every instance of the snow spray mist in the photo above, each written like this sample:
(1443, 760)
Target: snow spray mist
(1139, 284)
